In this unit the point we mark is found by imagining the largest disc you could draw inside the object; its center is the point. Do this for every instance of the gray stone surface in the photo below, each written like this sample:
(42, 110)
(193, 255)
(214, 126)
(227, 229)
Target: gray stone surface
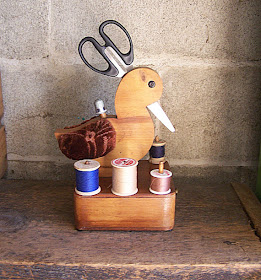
(206, 29)
(216, 112)
(46, 97)
(207, 53)
(213, 174)
(23, 29)
(40, 170)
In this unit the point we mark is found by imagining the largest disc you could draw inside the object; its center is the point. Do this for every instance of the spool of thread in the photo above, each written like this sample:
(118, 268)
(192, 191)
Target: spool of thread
(124, 176)
(87, 177)
(160, 180)
(157, 151)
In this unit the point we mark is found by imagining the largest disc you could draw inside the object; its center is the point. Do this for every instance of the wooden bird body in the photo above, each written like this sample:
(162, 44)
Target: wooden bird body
(128, 134)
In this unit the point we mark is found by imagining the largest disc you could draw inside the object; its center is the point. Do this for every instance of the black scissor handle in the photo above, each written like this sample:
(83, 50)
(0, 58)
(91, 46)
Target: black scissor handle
(112, 69)
(126, 57)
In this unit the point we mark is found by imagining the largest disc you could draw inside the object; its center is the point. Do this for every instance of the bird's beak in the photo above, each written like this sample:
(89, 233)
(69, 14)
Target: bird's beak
(160, 114)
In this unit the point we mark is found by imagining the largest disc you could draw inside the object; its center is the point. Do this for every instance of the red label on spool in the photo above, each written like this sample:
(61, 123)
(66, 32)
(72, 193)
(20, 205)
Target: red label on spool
(124, 162)
(156, 173)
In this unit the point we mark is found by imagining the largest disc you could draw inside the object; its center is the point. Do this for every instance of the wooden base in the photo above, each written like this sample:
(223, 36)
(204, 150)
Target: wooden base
(142, 211)
(3, 160)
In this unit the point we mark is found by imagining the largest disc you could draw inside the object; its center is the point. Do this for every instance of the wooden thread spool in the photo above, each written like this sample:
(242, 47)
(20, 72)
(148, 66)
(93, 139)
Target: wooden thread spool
(157, 151)
(160, 180)
(87, 177)
(124, 176)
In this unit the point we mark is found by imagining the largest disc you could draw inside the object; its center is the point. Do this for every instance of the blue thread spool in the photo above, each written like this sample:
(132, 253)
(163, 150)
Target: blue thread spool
(87, 177)
(157, 151)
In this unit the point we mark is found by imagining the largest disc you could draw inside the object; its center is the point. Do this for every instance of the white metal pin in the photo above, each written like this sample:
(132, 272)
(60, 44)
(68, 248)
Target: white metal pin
(100, 108)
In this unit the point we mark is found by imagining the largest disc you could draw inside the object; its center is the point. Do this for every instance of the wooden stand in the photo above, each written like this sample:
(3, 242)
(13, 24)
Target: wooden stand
(142, 211)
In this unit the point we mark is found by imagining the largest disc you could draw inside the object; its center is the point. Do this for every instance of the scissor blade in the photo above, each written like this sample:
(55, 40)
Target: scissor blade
(160, 114)
(117, 61)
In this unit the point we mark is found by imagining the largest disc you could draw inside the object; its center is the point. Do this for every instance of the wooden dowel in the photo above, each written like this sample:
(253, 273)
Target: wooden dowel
(103, 115)
(161, 166)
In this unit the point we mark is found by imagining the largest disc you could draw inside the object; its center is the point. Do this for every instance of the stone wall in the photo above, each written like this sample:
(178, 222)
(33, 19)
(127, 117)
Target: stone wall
(207, 53)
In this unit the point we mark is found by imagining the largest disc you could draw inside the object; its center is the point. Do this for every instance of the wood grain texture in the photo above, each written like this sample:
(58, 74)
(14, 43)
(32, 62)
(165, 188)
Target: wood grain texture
(250, 203)
(133, 124)
(134, 94)
(101, 272)
(142, 211)
(3, 151)
(212, 238)
(1, 100)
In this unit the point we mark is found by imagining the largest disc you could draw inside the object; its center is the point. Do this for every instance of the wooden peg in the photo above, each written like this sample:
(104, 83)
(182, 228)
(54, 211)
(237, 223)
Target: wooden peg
(161, 167)
(103, 115)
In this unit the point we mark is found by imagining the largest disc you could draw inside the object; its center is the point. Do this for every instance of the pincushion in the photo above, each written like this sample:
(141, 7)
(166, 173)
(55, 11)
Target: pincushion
(94, 140)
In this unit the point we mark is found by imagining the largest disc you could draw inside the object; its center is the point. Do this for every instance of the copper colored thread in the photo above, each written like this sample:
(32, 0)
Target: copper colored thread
(160, 184)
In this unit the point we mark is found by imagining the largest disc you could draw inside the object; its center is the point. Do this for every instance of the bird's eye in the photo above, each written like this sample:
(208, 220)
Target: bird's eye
(151, 84)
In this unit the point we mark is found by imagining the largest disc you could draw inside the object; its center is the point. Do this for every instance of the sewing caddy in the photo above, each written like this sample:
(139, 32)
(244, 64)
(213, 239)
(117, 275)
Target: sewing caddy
(115, 189)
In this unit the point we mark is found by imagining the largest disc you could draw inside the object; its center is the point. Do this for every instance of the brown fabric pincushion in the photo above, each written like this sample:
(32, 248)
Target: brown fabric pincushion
(92, 141)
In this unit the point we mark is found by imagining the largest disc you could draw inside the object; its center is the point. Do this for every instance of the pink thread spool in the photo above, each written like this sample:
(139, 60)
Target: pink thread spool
(160, 180)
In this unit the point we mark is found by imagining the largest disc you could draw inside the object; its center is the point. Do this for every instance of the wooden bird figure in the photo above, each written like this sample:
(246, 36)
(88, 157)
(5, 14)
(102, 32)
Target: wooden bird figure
(128, 134)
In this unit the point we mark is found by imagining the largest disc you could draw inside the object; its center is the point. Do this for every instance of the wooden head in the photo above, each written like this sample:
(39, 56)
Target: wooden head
(137, 89)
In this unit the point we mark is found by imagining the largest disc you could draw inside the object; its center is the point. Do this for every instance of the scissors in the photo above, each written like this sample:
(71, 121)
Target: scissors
(119, 63)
